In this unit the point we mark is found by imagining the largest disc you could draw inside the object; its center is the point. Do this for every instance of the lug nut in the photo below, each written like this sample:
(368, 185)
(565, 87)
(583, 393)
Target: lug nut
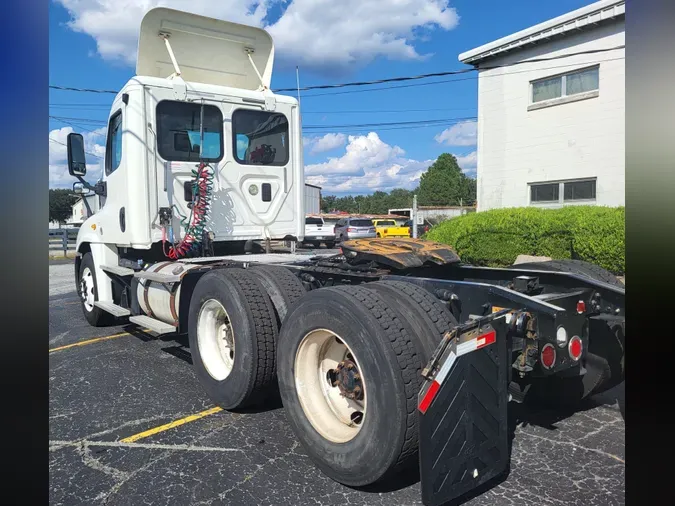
(357, 377)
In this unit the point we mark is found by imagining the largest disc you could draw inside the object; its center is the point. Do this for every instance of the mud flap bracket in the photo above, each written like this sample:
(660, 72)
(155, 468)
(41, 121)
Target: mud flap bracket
(463, 412)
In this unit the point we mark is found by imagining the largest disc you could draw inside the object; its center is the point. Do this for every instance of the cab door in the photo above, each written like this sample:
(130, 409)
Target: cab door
(112, 217)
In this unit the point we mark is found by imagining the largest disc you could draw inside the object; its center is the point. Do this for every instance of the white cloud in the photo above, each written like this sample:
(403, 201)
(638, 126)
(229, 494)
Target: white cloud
(324, 143)
(459, 134)
(320, 34)
(114, 24)
(329, 34)
(368, 165)
(58, 156)
(468, 163)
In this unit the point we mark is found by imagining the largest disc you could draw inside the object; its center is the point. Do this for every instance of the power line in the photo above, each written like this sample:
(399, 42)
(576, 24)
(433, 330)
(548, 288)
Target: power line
(393, 79)
(381, 129)
(450, 72)
(322, 127)
(401, 123)
(80, 120)
(445, 81)
(87, 90)
(74, 125)
(64, 144)
(378, 111)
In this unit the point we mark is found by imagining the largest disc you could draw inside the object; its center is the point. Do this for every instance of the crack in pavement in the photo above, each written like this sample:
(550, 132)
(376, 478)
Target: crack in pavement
(250, 476)
(123, 477)
(57, 445)
(572, 443)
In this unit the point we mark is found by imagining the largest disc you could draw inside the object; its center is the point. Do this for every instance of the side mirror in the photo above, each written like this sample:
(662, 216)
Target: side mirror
(77, 165)
(79, 189)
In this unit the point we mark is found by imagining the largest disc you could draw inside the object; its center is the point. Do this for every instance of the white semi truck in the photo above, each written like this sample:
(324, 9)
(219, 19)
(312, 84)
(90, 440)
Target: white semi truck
(390, 357)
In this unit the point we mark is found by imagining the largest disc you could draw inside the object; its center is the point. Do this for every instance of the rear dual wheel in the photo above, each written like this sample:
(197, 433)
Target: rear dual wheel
(349, 363)
(233, 322)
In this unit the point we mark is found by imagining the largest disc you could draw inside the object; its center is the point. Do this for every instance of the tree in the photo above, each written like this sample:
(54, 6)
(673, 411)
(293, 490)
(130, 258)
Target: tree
(61, 205)
(444, 184)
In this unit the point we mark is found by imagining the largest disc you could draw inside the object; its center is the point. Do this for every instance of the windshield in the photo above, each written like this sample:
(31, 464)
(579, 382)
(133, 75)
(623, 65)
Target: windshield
(313, 221)
(361, 223)
(386, 223)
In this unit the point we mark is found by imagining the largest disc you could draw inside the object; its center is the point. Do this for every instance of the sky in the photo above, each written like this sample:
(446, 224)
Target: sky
(92, 44)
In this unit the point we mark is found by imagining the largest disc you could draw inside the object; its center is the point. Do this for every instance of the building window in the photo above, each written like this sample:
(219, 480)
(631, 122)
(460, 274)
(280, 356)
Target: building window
(260, 138)
(545, 192)
(179, 134)
(562, 192)
(113, 152)
(566, 85)
(579, 190)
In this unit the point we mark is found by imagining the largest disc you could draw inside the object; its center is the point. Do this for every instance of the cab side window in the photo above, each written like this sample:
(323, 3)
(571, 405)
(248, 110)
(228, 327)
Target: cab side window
(113, 151)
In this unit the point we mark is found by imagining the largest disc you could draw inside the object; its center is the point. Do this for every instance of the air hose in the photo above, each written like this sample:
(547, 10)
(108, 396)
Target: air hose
(195, 224)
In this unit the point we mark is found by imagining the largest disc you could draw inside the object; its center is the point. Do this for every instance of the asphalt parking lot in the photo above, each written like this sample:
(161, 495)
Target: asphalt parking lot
(129, 424)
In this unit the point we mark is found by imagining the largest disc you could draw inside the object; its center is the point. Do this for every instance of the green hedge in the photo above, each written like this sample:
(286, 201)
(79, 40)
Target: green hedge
(495, 238)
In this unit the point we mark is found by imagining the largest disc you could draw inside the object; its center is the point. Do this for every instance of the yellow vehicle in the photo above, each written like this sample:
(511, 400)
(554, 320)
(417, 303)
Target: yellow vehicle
(388, 228)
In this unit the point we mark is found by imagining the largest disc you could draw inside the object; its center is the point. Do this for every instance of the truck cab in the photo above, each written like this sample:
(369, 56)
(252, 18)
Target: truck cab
(200, 96)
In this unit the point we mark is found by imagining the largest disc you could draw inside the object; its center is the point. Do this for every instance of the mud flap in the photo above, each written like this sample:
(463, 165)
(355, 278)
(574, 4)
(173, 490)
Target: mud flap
(463, 414)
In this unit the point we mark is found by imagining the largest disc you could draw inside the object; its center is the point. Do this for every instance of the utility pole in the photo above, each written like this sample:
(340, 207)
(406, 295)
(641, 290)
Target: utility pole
(414, 217)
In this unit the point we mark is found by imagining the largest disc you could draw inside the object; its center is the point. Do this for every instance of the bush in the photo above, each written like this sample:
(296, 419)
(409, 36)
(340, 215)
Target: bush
(495, 238)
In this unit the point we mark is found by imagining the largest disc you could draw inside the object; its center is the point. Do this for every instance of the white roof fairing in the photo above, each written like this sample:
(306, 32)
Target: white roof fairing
(207, 50)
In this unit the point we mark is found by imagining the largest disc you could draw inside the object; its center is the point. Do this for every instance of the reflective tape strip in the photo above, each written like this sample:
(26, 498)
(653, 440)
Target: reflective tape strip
(462, 349)
(476, 344)
(445, 369)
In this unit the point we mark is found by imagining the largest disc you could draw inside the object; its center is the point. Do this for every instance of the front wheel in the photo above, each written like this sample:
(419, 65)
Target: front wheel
(88, 292)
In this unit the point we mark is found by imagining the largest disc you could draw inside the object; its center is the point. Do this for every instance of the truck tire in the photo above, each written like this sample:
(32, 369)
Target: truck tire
(283, 287)
(429, 317)
(353, 441)
(330, 244)
(232, 332)
(604, 360)
(88, 292)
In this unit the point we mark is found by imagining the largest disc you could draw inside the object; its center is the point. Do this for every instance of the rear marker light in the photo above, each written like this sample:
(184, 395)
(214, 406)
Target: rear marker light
(561, 336)
(575, 348)
(548, 356)
(462, 349)
(581, 307)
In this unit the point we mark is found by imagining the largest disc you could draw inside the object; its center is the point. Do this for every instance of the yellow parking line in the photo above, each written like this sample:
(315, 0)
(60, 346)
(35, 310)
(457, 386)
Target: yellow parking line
(89, 341)
(171, 425)
(95, 340)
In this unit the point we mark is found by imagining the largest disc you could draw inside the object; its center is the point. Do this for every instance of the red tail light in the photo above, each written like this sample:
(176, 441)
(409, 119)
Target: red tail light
(351, 229)
(581, 307)
(548, 356)
(575, 348)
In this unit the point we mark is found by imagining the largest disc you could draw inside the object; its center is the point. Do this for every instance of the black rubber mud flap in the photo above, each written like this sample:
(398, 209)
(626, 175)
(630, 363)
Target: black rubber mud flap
(462, 414)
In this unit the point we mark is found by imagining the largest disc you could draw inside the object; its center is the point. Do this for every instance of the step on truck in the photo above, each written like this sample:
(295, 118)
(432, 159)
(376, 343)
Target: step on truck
(391, 357)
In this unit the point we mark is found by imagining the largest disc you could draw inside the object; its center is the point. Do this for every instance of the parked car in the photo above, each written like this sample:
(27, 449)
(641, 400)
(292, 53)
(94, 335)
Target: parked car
(354, 228)
(421, 229)
(317, 232)
(389, 228)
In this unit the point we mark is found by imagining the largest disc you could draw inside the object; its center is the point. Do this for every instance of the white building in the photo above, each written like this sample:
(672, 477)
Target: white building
(80, 212)
(551, 133)
(312, 199)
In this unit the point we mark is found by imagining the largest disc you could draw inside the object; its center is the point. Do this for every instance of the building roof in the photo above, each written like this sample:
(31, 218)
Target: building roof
(583, 18)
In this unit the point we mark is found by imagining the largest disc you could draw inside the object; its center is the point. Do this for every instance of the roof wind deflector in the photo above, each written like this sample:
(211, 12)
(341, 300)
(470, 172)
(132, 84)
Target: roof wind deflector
(204, 50)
